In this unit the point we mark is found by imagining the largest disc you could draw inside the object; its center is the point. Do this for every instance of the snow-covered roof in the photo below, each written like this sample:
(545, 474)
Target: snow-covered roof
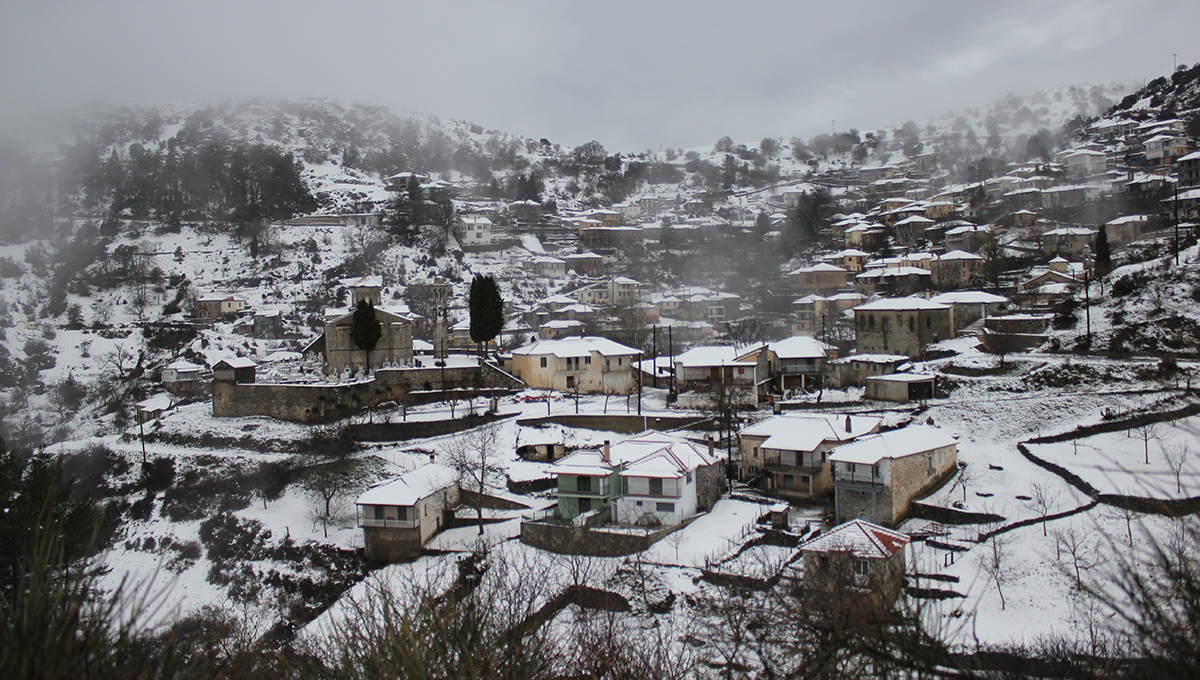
(903, 377)
(958, 255)
(159, 402)
(860, 539)
(968, 297)
(799, 347)
(807, 431)
(412, 487)
(872, 359)
(900, 443)
(576, 347)
(905, 304)
(372, 281)
(183, 366)
(723, 355)
(238, 362)
(823, 267)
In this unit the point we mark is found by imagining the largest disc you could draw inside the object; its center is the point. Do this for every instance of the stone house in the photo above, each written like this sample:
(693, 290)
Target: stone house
(788, 454)
(859, 554)
(216, 306)
(398, 517)
(956, 270)
(587, 364)
(1068, 240)
(901, 326)
(877, 477)
(239, 370)
(970, 305)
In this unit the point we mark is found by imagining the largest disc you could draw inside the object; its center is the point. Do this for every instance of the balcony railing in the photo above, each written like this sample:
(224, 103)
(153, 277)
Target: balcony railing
(867, 478)
(789, 369)
(389, 523)
(798, 468)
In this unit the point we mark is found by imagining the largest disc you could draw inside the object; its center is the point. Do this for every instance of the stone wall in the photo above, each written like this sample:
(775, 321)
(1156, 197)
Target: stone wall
(911, 477)
(571, 540)
(625, 424)
(324, 403)
(388, 544)
(710, 484)
(874, 505)
(417, 429)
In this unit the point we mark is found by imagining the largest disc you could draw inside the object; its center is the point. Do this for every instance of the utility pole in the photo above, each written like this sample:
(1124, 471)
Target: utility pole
(654, 361)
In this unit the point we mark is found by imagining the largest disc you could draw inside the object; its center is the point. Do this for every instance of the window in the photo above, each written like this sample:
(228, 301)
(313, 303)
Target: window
(862, 567)
(656, 487)
(543, 362)
(585, 505)
(689, 476)
(618, 361)
(876, 471)
(910, 323)
(789, 482)
(583, 484)
(664, 507)
(378, 512)
(587, 360)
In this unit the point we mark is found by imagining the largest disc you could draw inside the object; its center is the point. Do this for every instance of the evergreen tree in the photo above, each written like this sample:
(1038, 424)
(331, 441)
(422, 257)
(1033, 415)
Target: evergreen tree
(1103, 252)
(487, 309)
(365, 329)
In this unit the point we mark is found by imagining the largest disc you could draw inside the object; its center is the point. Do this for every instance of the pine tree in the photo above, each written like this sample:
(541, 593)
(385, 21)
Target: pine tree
(487, 309)
(365, 329)
(1103, 252)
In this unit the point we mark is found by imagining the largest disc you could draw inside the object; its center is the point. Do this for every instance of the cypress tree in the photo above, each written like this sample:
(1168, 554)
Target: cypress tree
(1103, 252)
(365, 329)
(487, 310)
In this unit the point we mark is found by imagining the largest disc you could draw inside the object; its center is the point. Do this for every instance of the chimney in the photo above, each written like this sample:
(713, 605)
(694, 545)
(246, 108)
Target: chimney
(710, 446)
(848, 428)
(607, 451)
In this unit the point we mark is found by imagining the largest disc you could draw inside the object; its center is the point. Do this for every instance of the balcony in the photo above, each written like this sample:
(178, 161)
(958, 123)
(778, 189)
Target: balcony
(389, 523)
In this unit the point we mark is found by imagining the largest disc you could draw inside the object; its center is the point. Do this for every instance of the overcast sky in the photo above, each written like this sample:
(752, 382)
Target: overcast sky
(634, 75)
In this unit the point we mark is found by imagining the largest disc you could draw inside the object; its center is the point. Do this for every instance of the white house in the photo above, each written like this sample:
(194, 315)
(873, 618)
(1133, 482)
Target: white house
(474, 230)
(586, 364)
(399, 516)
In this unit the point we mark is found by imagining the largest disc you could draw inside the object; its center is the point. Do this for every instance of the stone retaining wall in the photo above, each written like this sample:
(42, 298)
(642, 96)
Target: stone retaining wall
(325, 403)
(571, 540)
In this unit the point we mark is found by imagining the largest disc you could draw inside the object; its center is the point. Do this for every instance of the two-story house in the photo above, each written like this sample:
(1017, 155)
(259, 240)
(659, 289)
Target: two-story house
(735, 375)
(877, 477)
(901, 326)
(798, 362)
(583, 364)
(398, 517)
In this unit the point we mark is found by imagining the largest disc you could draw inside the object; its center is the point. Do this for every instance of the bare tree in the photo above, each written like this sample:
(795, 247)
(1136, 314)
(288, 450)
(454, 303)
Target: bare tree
(1146, 432)
(996, 561)
(475, 456)
(1079, 548)
(1045, 499)
(1176, 456)
(329, 484)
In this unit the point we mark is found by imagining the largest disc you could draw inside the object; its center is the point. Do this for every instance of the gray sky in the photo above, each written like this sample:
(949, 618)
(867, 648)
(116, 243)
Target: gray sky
(632, 74)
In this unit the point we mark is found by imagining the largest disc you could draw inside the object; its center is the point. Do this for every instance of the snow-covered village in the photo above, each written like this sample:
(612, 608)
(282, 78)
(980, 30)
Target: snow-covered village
(311, 388)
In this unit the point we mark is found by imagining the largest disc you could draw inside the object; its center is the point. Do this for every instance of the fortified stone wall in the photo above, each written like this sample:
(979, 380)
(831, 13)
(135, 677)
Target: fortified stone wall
(322, 403)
